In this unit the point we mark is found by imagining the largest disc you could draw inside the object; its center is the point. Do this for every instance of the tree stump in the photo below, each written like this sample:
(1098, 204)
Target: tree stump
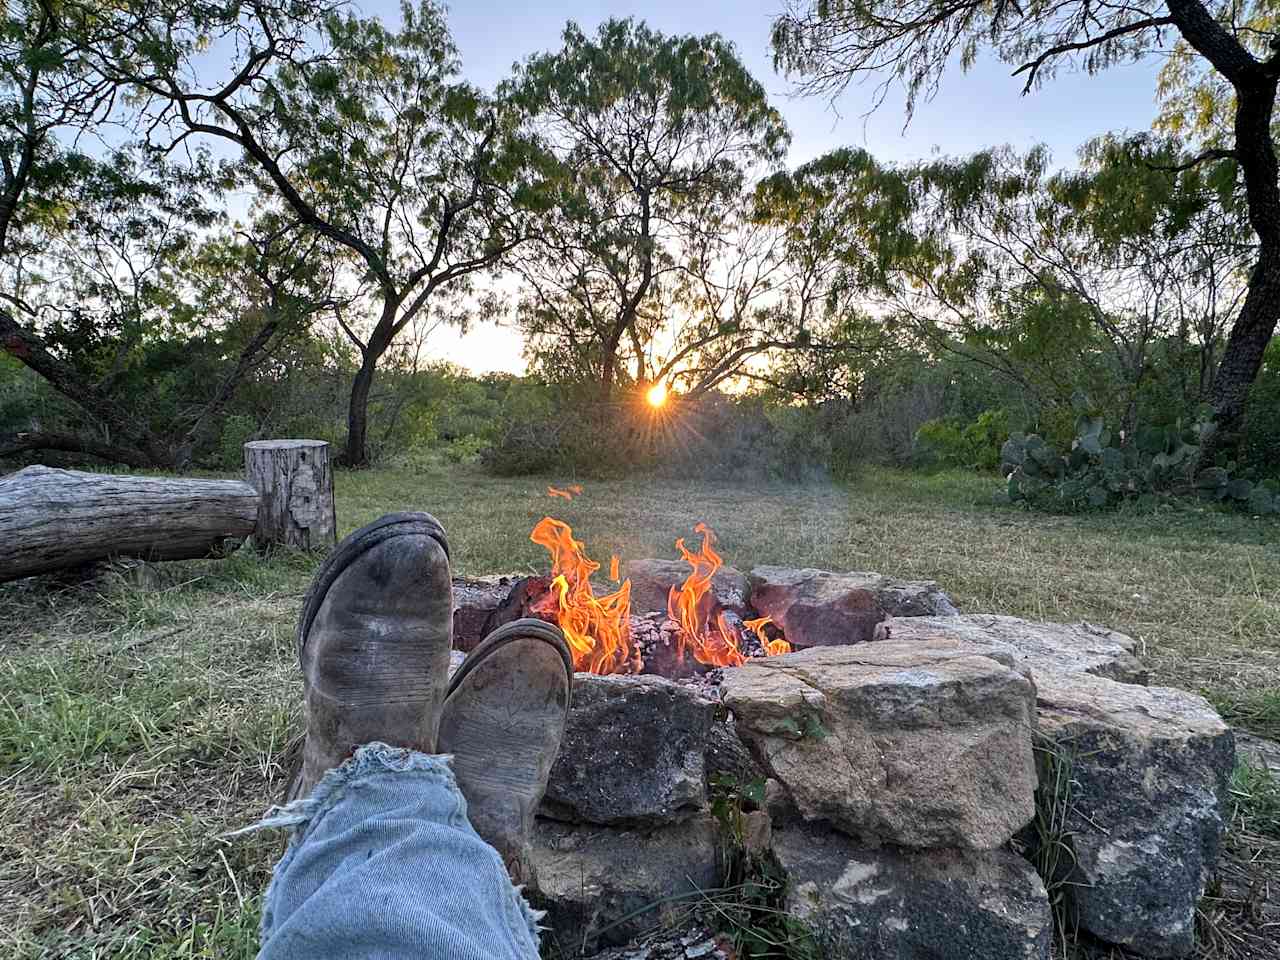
(61, 519)
(295, 487)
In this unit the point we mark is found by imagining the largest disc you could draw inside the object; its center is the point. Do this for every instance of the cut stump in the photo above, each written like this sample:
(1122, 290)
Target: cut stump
(62, 519)
(295, 484)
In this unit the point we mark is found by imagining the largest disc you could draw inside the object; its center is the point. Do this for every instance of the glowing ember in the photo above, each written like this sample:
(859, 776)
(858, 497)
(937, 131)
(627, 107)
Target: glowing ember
(657, 395)
(598, 629)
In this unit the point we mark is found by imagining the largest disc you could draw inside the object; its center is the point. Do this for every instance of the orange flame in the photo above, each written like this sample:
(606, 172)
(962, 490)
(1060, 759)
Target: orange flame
(691, 605)
(598, 629)
(772, 648)
(557, 492)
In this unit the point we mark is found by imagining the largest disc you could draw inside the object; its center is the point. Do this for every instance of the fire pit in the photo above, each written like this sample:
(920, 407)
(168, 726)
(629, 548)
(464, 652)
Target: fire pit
(890, 738)
(686, 632)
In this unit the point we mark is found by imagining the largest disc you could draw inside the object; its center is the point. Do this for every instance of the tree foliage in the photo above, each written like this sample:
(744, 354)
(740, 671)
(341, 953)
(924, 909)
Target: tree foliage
(367, 135)
(654, 137)
(829, 43)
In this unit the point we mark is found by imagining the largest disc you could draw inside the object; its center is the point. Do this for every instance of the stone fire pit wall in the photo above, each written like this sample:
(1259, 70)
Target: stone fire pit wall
(900, 749)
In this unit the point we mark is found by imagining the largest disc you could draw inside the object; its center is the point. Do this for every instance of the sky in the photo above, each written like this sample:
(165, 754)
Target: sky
(981, 108)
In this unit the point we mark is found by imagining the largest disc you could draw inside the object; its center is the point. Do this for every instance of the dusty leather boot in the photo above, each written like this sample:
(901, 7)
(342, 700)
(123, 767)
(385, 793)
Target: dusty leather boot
(373, 642)
(503, 721)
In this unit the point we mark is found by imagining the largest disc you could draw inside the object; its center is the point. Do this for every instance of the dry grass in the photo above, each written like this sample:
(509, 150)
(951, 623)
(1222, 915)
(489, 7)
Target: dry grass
(139, 724)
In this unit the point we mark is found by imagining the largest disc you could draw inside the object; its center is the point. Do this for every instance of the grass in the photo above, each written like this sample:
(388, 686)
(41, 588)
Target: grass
(140, 724)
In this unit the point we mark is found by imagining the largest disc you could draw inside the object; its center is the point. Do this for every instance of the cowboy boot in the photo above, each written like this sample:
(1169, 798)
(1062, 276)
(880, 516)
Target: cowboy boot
(503, 721)
(373, 642)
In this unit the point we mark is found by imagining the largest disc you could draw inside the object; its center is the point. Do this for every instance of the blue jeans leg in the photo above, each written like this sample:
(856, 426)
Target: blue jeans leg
(383, 865)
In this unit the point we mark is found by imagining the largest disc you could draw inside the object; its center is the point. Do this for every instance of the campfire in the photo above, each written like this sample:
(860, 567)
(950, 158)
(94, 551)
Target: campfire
(606, 637)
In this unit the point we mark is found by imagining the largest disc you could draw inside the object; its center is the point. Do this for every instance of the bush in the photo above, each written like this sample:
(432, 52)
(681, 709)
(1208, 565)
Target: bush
(237, 430)
(1095, 474)
(948, 442)
(713, 437)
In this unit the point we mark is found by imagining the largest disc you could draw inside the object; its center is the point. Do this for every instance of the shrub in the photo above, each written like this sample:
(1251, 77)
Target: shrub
(1094, 473)
(237, 430)
(948, 442)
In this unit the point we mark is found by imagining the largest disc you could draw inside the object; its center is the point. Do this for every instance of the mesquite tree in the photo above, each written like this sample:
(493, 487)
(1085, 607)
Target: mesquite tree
(1054, 281)
(829, 43)
(365, 133)
(654, 136)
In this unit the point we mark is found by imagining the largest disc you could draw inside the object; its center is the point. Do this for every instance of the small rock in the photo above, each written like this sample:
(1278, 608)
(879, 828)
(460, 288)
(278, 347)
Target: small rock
(925, 743)
(633, 752)
(924, 905)
(820, 608)
(474, 601)
(590, 878)
(652, 580)
(1148, 769)
(1069, 647)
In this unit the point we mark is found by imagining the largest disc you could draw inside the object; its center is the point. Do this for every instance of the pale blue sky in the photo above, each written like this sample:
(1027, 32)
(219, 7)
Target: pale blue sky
(973, 110)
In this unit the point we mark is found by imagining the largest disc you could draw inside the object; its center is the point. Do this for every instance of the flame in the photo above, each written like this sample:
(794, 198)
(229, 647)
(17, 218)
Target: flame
(557, 492)
(598, 629)
(691, 604)
(772, 648)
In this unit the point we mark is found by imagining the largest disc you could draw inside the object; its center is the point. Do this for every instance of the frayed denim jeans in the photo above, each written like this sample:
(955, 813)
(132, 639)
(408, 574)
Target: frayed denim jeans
(383, 865)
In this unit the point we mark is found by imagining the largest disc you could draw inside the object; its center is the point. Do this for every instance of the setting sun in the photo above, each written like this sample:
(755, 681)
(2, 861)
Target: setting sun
(657, 395)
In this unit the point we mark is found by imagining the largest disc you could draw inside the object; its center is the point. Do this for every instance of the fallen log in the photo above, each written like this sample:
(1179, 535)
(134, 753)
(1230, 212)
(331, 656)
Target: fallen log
(60, 519)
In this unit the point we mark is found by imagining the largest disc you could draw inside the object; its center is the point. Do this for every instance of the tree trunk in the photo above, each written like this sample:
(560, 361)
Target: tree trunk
(357, 453)
(1247, 343)
(59, 519)
(295, 486)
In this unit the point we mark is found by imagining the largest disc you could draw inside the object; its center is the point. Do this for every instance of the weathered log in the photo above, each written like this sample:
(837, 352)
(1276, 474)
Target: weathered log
(58, 519)
(295, 484)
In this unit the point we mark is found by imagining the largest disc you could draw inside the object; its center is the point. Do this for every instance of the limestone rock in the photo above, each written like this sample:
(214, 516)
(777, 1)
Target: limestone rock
(591, 877)
(1068, 647)
(652, 580)
(921, 744)
(633, 752)
(1148, 770)
(923, 905)
(820, 608)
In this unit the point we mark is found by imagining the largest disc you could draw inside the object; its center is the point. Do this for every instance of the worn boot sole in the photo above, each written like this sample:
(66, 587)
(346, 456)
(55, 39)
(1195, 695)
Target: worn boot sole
(503, 721)
(362, 540)
(333, 566)
(509, 633)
